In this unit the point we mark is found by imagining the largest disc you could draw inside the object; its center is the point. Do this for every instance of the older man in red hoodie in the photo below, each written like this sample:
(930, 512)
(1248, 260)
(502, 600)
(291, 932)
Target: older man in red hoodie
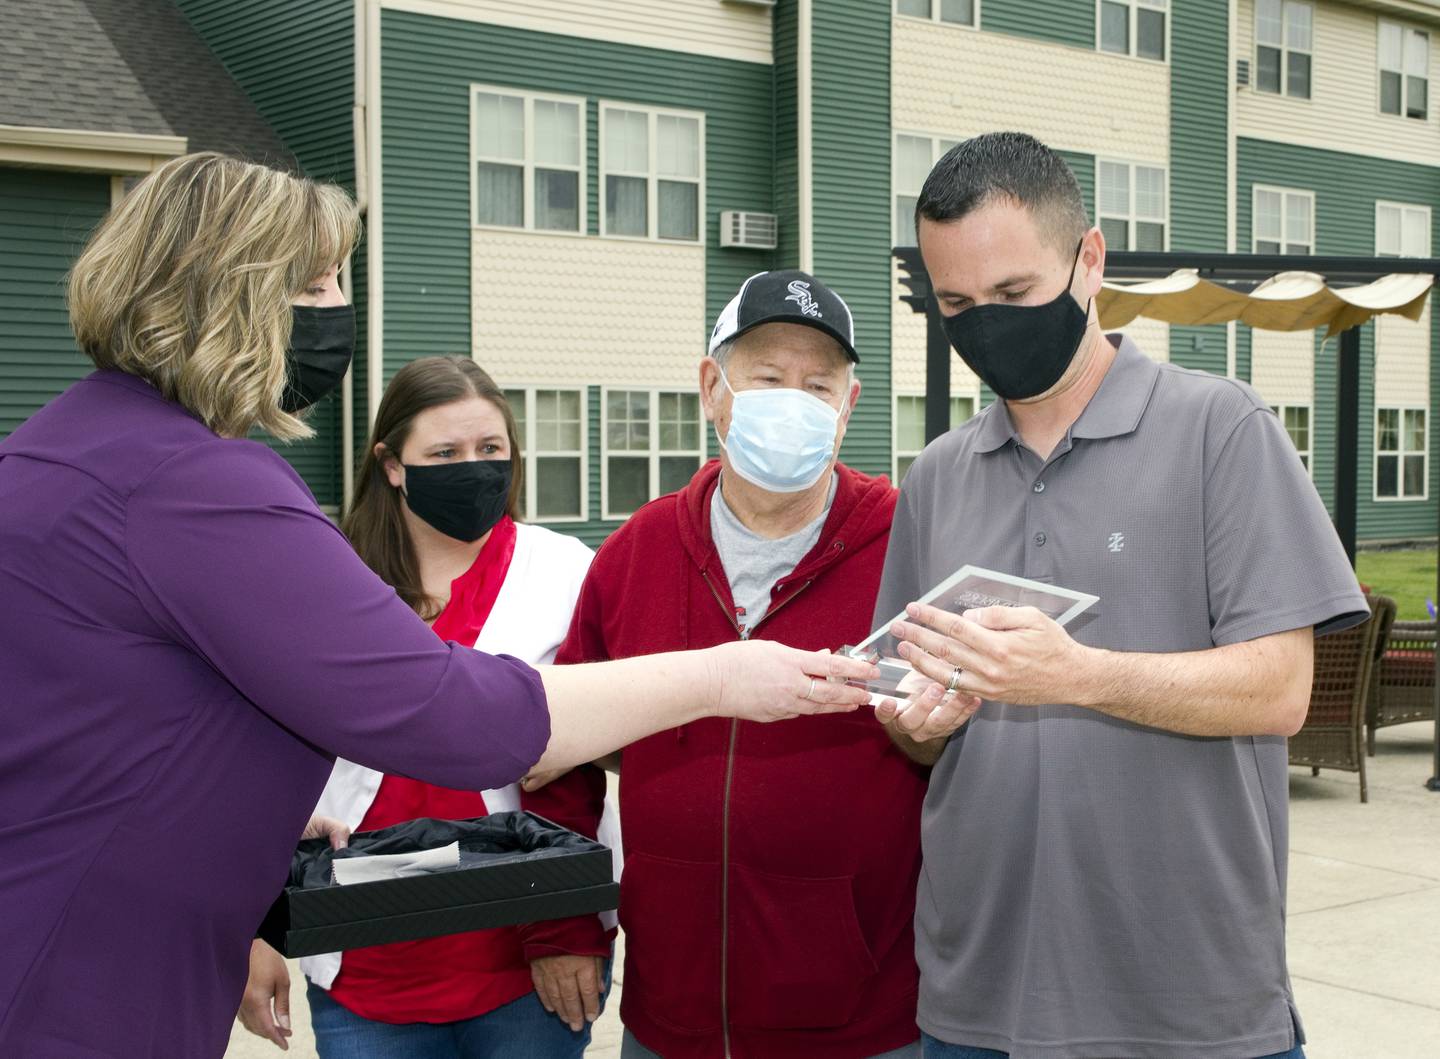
(770, 871)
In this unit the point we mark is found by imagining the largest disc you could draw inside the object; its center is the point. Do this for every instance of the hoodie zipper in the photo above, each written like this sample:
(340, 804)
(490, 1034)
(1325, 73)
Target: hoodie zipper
(725, 814)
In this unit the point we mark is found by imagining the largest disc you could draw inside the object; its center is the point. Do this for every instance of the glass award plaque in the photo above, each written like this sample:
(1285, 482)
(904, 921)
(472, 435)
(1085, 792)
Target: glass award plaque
(969, 588)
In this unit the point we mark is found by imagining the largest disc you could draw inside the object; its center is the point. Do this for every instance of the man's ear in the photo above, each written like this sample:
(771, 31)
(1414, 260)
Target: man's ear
(710, 387)
(1092, 256)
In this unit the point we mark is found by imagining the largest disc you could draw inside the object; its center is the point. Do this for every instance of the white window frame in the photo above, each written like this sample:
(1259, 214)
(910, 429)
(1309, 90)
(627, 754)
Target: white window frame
(529, 166)
(1284, 215)
(653, 453)
(1404, 208)
(896, 452)
(1285, 51)
(936, 139)
(935, 19)
(1406, 29)
(1400, 454)
(652, 176)
(1133, 37)
(1130, 221)
(531, 454)
(1309, 454)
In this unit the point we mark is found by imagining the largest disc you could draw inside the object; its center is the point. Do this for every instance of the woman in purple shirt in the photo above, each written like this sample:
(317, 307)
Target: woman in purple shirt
(186, 641)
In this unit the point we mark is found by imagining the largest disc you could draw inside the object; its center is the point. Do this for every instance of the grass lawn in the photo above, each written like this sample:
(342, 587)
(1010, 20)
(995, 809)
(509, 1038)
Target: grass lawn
(1406, 575)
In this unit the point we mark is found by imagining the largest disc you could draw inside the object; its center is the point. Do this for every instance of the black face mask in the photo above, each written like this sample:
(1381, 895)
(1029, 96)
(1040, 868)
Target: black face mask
(1020, 350)
(322, 344)
(461, 500)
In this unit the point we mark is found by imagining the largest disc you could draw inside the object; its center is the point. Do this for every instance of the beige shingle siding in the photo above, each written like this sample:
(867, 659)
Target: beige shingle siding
(701, 27)
(557, 310)
(957, 82)
(1402, 360)
(1343, 112)
(1282, 366)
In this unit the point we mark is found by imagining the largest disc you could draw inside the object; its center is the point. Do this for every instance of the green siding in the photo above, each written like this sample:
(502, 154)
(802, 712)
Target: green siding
(428, 65)
(1199, 97)
(1058, 21)
(295, 60)
(45, 218)
(1346, 187)
(851, 141)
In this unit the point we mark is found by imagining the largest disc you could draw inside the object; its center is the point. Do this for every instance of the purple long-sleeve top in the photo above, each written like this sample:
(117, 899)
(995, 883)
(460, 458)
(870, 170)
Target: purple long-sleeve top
(186, 642)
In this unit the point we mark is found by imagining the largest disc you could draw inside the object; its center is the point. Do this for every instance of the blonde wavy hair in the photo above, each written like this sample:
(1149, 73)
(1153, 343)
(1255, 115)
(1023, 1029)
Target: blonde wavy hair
(188, 284)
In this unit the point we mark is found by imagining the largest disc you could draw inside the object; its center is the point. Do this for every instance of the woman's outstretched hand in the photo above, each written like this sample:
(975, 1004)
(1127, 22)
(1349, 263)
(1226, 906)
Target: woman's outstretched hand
(759, 680)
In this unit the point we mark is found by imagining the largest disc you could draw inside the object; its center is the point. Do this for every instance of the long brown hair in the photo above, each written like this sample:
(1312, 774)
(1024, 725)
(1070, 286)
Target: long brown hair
(376, 521)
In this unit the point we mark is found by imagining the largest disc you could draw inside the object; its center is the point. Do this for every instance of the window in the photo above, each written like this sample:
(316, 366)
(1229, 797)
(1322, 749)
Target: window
(1404, 71)
(910, 427)
(552, 428)
(1284, 221)
(654, 443)
(1132, 206)
(528, 158)
(1134, 27)
(914, 157)
(1284, 41)
(1296, 420)
(1401, 445)
(956, 12)
(1401, 230)
(652, 161)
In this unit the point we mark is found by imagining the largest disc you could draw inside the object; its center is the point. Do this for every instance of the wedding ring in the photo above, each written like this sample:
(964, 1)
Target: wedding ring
(954, 684)
(811, 692)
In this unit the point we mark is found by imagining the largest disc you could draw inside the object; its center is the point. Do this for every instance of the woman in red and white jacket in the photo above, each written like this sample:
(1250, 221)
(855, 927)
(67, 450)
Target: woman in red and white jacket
(436, 515)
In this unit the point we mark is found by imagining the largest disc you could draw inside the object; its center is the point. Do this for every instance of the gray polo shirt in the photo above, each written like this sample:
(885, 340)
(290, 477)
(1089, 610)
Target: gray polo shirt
(1093, 888)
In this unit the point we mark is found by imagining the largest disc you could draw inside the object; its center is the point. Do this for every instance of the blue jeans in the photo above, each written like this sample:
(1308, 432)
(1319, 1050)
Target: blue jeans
(521, 1029)
(630, 1048)
(934, 1048)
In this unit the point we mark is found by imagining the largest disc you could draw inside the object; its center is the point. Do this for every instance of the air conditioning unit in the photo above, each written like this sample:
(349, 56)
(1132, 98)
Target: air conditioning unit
(747, 230)
(1242, 73)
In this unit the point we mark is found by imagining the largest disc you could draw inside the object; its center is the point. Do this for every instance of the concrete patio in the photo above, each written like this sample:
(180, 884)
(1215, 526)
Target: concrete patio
(1364, 914)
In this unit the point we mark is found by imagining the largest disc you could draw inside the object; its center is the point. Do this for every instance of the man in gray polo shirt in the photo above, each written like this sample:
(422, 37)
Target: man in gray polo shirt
(1105, 840)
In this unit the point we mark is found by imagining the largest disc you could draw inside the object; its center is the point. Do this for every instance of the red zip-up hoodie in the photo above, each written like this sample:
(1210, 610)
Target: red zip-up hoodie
(770, 869)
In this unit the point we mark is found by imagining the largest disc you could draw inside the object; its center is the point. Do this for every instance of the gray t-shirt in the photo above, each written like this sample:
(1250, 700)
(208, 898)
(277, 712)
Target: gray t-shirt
(754, 563)
(1093, 888)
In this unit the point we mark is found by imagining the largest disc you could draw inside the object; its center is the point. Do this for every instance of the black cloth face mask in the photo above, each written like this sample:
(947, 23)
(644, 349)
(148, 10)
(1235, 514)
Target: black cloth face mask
(461, 500)
(1020, 350)
(322, 344)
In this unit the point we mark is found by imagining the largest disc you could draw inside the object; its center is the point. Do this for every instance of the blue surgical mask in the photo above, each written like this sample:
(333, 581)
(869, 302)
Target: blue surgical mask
(780, 440)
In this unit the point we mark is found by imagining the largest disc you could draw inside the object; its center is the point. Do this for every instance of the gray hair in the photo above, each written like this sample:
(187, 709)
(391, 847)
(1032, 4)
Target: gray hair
(722, 353)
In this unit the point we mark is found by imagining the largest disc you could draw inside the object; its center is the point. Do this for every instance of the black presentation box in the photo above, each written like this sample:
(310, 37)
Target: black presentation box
(514, 868)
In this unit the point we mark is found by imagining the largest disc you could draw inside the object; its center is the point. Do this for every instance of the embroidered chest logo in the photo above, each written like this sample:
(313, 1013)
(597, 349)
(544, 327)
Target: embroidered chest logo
(800, 295)
(1116, 542)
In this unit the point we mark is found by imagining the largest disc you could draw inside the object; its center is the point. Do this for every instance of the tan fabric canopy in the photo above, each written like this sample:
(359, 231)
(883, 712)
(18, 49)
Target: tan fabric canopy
(1287, 301)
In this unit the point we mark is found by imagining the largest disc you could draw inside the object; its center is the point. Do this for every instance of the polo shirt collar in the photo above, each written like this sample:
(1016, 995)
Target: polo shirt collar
(1124, 393)
(1115, 409)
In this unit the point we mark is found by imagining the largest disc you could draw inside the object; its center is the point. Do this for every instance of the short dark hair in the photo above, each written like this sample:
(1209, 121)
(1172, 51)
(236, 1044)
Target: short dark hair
(1010, 165)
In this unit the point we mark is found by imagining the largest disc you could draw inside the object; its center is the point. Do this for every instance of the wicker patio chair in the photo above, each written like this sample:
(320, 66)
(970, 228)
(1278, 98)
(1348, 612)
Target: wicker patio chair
(1332, 735)
(1404, 688)
(1384, 610)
